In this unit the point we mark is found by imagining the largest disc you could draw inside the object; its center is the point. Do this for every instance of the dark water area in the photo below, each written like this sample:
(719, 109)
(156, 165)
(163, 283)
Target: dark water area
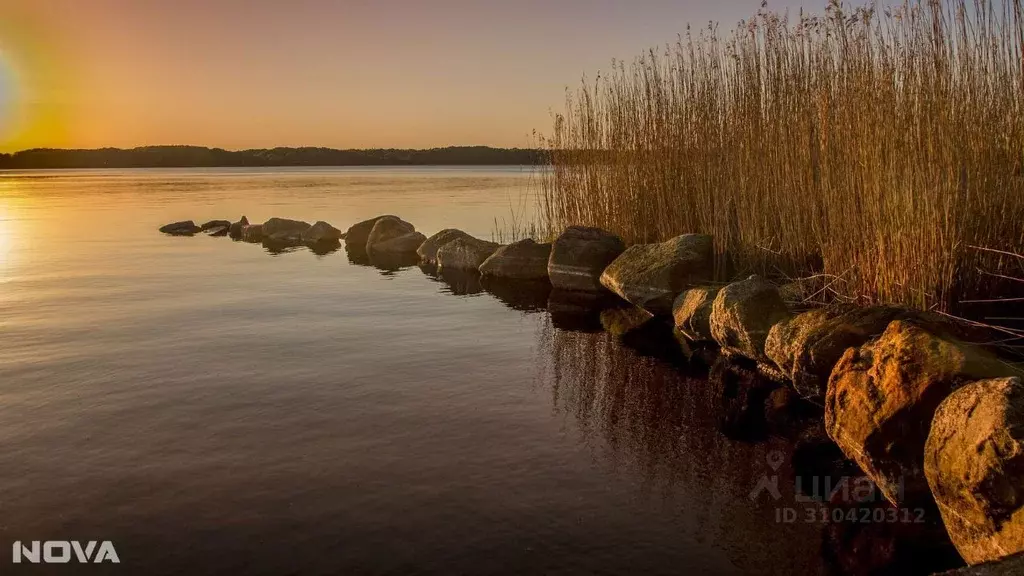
(216, 407)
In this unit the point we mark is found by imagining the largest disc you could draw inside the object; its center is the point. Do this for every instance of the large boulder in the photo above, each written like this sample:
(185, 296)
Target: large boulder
(523, 260)
(235, 230)
(428, 250)
(404, 244)
(252, 233)
(358, 233)
(465, 253)
(692, 312)
(882, 397)
(974, 463)
(742, 315)
(652, 275)
(387, 228)
(321, 232)
(183, 228)
(580, 255)
(284, 230)
(807, 346)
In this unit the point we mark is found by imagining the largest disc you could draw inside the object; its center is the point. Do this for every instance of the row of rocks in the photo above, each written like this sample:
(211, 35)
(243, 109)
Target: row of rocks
(275, 230)
(932, 420)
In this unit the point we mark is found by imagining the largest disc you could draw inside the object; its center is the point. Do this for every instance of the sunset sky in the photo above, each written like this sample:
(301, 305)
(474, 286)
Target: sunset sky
(338, 73)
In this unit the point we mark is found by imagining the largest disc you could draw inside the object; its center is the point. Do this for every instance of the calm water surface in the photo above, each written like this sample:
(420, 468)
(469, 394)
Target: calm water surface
(212, 408)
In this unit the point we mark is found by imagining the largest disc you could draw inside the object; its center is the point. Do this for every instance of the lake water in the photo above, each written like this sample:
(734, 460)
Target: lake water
(213, 408)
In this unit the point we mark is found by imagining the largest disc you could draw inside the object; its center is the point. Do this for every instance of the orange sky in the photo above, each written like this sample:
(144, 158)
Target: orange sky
(340, 73)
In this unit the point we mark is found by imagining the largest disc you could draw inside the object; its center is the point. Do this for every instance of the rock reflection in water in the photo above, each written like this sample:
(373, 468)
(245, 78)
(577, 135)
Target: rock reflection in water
(276, 247)
(388, 264)
(523, 295)
(640, 415)
(456, 282)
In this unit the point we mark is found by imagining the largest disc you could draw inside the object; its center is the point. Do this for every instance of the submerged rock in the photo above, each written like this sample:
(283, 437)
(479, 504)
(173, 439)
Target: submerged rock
(428, 250)
(235, 230)
(284, 230)
(974, 463)
(882, 397)
(743, 313)
(321, 232)
(183, 228)
(580, 255)
(252, 233)
(404, 244)
(465, 253)
(692, 312)
(358, 233)
(524, 260)
(207, 226)
(620, 321)
(807, 346)
(388, 228)
(652, 275)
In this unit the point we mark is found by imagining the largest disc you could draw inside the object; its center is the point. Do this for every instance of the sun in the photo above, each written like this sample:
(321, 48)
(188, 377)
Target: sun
(36, 83)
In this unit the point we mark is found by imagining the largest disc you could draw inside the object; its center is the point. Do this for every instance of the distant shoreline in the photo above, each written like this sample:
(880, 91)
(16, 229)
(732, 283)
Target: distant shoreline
(202, 157)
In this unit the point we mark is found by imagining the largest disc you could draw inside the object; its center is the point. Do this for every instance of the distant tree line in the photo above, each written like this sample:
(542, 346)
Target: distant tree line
(198, 156)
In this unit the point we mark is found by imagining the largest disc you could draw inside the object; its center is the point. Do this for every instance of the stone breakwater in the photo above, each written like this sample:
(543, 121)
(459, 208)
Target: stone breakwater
(930, 415)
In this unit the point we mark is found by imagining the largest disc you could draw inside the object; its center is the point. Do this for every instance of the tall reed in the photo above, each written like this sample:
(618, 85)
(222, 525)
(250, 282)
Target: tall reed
(881, 149)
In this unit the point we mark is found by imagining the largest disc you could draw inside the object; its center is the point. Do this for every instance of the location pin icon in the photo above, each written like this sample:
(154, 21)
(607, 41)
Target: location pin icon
(775, 459)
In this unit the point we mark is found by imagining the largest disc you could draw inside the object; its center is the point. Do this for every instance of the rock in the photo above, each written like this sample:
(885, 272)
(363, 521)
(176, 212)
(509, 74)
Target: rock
(580, 255)
(321, 232)
(522, 260)
(217, 231)
(183, 228)
(252, 233)
(284, 230)
(235, 231)
(807, 346)
(465, 253)
(387, 228)
(652, 275)
(743, 313)
(974, 463)
(1010, 566)
(404, 244)
(781, 408)
(215, 224)
(619, 321)
(692, 312)
(882, 396)
(358, 233)
(428, 250)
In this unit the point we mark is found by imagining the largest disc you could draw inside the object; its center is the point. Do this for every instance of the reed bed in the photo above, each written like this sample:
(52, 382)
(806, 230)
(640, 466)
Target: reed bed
(878, 149)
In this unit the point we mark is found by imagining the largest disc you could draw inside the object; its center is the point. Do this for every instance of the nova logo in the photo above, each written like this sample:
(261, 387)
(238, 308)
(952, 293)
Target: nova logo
(61, 552)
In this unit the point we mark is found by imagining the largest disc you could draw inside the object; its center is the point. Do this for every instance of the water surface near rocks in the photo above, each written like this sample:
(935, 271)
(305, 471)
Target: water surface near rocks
(211, 408)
